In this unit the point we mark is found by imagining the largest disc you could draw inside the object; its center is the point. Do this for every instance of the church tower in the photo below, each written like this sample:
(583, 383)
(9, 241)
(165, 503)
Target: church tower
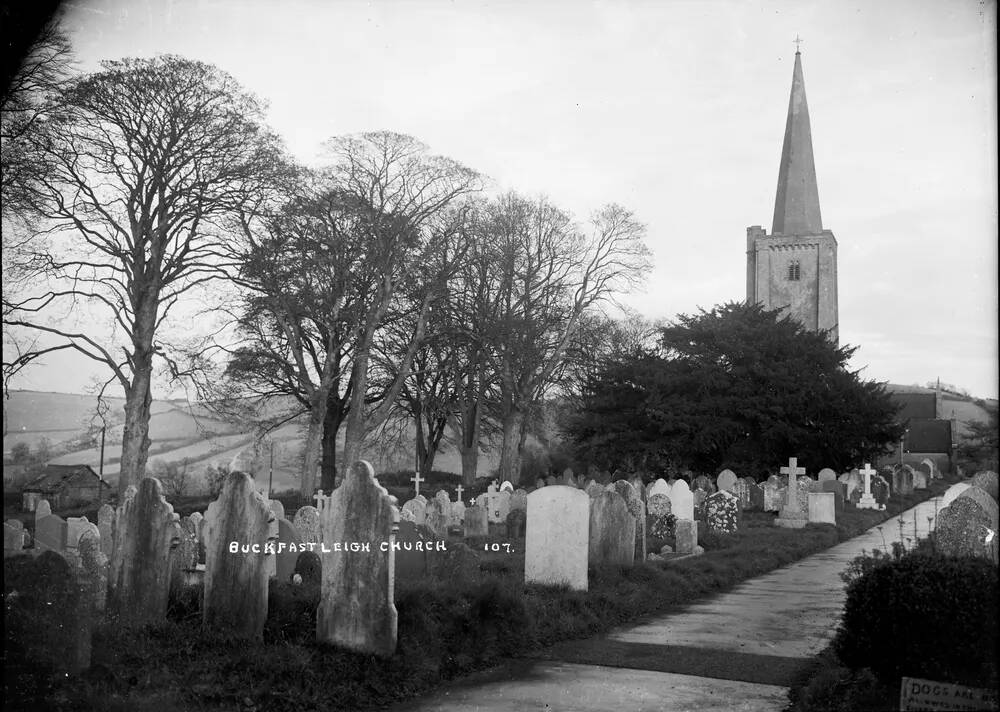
(796, 266)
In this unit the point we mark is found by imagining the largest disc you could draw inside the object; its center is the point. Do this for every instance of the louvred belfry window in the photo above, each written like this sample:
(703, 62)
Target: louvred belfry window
(794, 271)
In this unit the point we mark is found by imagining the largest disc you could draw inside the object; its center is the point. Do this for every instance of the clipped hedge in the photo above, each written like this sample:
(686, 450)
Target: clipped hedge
(922, 615)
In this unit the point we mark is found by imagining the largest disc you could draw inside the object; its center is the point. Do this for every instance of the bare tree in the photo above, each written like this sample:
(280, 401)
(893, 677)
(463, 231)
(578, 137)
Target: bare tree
(148, 158)
(547, 274)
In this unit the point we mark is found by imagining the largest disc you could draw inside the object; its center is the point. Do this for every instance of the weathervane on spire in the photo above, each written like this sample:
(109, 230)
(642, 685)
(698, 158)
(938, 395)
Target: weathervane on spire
(797, 41)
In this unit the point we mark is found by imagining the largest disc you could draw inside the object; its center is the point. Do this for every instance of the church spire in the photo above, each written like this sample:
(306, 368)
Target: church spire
(796, 206)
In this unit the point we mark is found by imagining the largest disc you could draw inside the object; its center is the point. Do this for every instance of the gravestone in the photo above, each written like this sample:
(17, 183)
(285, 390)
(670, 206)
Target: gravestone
(920, 479)
(639, 487)
(42, 509)
(13, 537)
(756, 496)
(183, 554)
(987, 482)
(288, 548)
(839, 491)
(306, 523)
(105, 525)
(551, 480)
(277, 509)
(456, 515)
(703, 483)
(459, 563)
(854, 482)
(516, 523)
(476, 520)
(660, 486)
(139, 577)
(568, 478)
(929, 467)
(722, 512)
(867, 499)
(557, 537)
(699, 496)
(75, 527)
(438, 514)
(792, 514)
(637, 509)
(236, 583)
(199, 521)
(612, 530)
(93, 573)
(741, 490)
(822, 508)
(726, 481)
(826, 475)
(803, 487)
(772, 494)
(444, 498)
(356, 608)
(659, 519)
(902, 480)
(968, 526)
(881, 491)
(507, 486)
(519, 500)
(686, 536)
(681, 500)
(417, 510)
(498, 505)
(594, 490)
(50, 533)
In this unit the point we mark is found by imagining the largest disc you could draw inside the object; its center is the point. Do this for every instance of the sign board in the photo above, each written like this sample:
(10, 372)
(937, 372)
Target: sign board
(916, 694)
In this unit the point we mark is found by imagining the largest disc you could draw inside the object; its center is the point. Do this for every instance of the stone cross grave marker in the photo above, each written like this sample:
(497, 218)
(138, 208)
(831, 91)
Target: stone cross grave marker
(791, 514)
(140, 568)
(458, 493)
(320, 499)
(612, 530)
(235, 595)
(557, 537)
(416, 480)
(357, 609)
(867, 500)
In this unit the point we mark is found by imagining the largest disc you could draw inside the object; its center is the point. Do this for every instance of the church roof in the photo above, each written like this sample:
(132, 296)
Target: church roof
(796, 206)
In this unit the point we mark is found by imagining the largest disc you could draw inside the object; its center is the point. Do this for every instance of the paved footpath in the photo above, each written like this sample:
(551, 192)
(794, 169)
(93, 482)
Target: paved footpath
(735, 651)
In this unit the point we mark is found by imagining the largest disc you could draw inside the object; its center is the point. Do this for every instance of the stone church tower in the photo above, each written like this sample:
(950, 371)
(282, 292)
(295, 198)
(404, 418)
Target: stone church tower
(796, 266)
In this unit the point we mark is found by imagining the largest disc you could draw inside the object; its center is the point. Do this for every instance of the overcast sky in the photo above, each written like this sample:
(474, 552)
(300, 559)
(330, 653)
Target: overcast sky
(674, 109)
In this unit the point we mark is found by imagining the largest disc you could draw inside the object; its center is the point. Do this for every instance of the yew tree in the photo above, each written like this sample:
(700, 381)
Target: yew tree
(737, 387)
(148, 161)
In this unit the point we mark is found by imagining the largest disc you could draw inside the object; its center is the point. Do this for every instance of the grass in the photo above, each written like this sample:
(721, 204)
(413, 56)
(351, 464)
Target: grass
(447, 628)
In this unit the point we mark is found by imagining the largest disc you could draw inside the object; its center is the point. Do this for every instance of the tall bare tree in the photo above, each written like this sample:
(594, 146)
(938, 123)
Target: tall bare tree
(548, 274)
(149, 159)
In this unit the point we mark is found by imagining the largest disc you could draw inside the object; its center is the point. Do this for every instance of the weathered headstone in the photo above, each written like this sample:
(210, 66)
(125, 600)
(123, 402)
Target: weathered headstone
(477, 520)
(699, 496)
(287, 550)
(854, 482)
(681, 500)
(516, 523)
(952, 493)
(277, 509)
(703, 483)
(987, 482)
(929, 467)
(413, 544)
(519, 500)
(612, 530)
(659, 519)
(106, 527)
(356, 608)
(726, 481)
(686, 536)
(50, 533)
(497, 504)
(756, 496)
(456, 514)
(140, 568)
(235, 596)
(557, 537)
(881, 491)
(438, 515)
(826, 475)
(772, 494)
(803, 487)
(839, 491)
(594, 489)
(920, 479)
(183, 553)
(417, 510)
(309, 566)
(822, 508)
(306, 523)
(968, 526)
(13, 537)
(902, 480)
(722, 512)
(507, 486)
(659, 486)
(93, 572)
(568, 478)
(741, 490)
(637, 509)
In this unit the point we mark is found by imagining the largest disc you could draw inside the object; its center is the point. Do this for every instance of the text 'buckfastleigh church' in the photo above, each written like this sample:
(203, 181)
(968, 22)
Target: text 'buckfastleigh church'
(795, 267)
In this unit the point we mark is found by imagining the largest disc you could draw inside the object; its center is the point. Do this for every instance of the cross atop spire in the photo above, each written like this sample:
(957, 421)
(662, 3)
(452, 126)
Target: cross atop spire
(796, 205)
(797, 41)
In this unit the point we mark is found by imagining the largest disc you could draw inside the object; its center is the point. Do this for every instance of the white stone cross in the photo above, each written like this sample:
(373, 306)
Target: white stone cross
(458, 491)
(868, 472)
(319, 500)
(416, 480)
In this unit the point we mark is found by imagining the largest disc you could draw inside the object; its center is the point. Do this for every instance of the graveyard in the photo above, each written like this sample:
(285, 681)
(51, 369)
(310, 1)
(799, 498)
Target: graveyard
(464, 587)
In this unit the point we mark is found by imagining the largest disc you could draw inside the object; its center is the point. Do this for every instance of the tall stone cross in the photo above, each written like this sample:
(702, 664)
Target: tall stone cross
(416, 480)
(868, 472)
(458, 492)
(319, 500)
(792, 470)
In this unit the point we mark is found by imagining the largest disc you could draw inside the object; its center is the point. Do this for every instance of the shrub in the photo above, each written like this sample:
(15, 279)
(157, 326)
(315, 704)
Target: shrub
(922, 615)
(838, 689)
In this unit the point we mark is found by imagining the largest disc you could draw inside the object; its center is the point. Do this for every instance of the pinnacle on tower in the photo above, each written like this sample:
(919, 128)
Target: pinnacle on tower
(796, 206)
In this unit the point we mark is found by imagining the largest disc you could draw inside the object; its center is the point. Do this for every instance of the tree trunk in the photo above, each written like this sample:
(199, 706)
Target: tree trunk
(331, 426)
(513, 443)
(311, 456)
(354, 430)
(135, 437)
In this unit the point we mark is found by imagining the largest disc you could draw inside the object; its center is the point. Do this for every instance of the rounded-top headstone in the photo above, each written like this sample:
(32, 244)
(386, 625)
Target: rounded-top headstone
(726, 481)
(827, 474)
(986, 481)
(660, 486)
(952, 493)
